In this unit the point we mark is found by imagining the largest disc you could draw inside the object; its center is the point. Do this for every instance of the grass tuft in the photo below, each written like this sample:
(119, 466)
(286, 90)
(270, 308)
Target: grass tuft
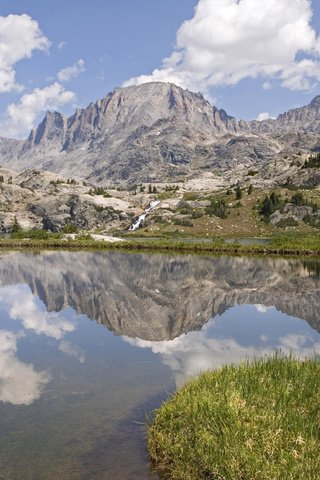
(259, 420)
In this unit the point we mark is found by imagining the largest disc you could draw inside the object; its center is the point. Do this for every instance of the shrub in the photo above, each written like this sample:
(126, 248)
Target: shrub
(16, 227)
(269, 205)
(238, 192)
(297, 199)
(160, 219)
(311, 220)
(287, 222)
(36, 234)
(183, 222)
(197, 214)
(252, 173)
(217, 208)
(70, 228)
(190, 196)
(99, 191)
(312, 162)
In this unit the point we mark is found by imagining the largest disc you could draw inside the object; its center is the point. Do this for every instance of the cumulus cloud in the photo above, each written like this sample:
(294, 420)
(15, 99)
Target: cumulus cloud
(66, 74)
(263, 116)
(20, 35)
(20, 117)
(20, 384)
(22, 306)
(229, 40)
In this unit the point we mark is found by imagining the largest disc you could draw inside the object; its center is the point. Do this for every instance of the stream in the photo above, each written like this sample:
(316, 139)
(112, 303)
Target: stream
(136, 224)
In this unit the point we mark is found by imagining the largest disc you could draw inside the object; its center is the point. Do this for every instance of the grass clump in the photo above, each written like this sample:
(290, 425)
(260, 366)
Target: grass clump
(260, 420)
(35, 235)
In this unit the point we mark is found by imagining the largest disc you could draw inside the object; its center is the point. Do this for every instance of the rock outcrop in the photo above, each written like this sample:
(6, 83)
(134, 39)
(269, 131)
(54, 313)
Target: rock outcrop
(42, 200)
(158, 131)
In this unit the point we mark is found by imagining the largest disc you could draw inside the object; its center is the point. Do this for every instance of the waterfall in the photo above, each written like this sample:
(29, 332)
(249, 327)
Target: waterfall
(136, 224)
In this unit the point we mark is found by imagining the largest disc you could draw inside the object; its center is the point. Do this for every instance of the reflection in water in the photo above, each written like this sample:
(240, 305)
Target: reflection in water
(90, 341)
(240, 334)
(22, 306)
(156, 297)
(20, 384)
(66, 347)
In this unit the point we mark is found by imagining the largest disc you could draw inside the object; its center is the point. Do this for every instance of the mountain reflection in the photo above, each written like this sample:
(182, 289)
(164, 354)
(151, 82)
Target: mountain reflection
(194, 312)
(242, 333)
(154, 297)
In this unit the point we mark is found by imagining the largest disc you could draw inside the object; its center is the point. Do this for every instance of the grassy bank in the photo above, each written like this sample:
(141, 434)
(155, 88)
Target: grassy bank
(260, 420)
(293, 244)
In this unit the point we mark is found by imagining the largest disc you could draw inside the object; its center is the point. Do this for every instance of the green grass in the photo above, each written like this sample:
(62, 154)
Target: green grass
(282, 244)
(296, 241)
(257, 421)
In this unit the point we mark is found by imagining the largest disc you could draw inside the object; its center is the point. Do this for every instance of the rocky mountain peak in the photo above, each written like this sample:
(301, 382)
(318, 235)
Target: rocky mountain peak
(301, 119)
(51, 129)
(315, 103)
(156, 131)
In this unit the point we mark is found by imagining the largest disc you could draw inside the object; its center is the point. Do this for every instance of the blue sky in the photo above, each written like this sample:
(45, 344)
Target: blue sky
(250, 57)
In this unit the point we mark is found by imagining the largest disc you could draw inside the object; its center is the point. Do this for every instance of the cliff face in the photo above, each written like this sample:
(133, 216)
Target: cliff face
(158, 297)
(157, 131)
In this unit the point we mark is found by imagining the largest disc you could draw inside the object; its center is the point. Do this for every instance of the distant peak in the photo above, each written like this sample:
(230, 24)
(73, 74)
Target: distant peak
(50, 114)
(315, 102)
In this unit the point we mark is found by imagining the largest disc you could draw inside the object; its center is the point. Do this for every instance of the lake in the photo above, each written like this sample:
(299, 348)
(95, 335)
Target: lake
(91, 343)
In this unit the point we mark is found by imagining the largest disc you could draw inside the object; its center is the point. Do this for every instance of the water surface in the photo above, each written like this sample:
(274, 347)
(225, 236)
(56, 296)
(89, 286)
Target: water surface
(92, 342)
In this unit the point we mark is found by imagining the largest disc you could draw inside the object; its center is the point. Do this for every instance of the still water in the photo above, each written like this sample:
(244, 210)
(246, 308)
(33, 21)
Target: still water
(92, 342)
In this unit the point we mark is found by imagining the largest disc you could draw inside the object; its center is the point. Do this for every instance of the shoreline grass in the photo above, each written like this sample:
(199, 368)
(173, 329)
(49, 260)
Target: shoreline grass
(259, 420)
(280, 245)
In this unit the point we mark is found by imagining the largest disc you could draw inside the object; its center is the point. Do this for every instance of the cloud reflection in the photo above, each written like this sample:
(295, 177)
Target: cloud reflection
(22, 306)
(20, 384)
(261, 308)
(73, 350)
(194, 352)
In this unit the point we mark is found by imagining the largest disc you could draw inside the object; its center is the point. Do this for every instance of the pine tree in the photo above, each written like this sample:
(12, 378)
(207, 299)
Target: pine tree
(238, 192)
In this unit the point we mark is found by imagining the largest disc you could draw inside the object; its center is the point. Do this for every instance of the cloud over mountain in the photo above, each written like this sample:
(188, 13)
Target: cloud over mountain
(20, 35)
(229, 40)
(20, 116)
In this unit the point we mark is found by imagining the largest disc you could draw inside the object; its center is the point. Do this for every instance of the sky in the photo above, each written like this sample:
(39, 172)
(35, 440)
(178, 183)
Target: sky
(253, 58)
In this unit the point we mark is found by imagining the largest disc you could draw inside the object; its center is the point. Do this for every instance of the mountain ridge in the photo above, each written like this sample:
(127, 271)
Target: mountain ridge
(157, 131)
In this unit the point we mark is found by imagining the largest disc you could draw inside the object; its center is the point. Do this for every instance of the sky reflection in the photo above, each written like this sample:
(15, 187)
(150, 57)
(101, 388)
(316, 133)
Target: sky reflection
(20, 383)
(243, 332)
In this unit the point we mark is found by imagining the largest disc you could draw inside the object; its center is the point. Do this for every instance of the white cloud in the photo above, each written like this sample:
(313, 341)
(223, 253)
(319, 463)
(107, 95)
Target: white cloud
(20, 117)
(229, 40)
(73, 350)
(20, 384)
(62, 44)
(20, 35)
(197, 351)
(22, 306)
(267, 85)
(66, 74)
(263, 116)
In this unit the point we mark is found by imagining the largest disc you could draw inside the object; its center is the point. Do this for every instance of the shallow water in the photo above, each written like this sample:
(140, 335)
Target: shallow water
(92, 342)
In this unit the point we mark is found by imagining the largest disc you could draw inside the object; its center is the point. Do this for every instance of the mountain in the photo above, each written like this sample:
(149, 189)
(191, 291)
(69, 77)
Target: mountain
(157, 132)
